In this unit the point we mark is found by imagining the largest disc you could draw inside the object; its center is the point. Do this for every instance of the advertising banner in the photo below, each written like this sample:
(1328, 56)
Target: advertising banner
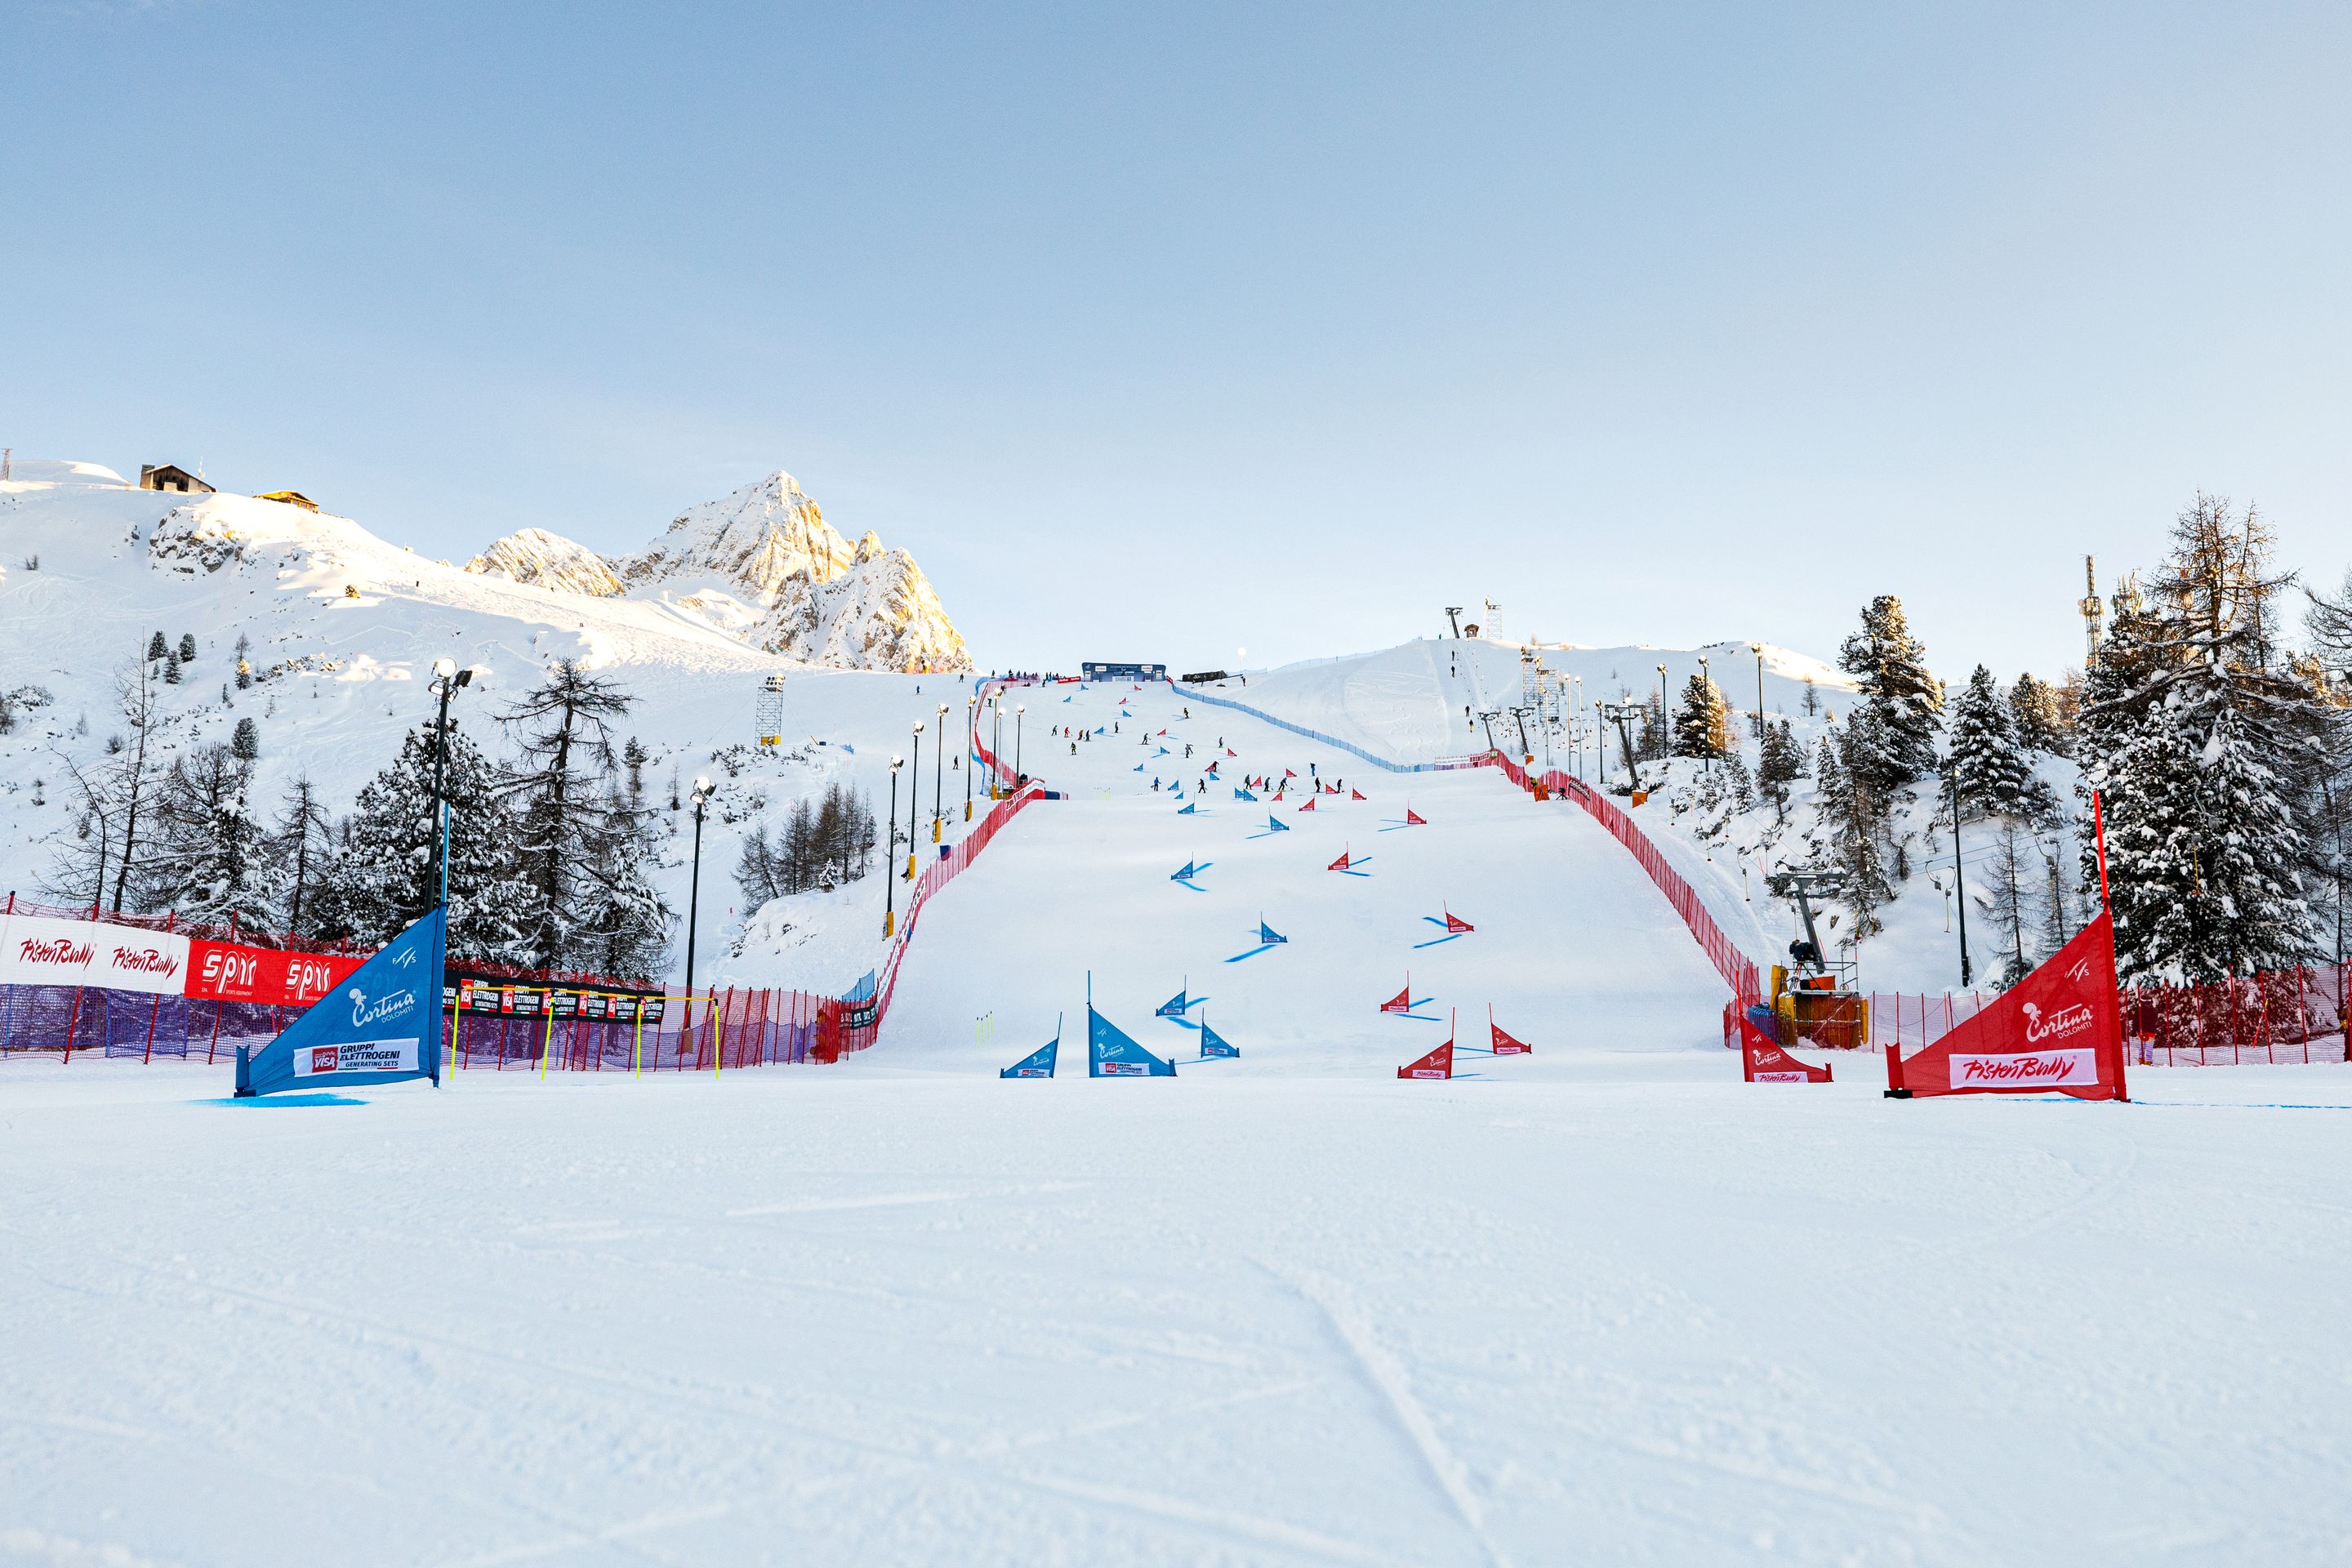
(2060, 1030)
(35, 949)
(226, 971)
(379, 1025)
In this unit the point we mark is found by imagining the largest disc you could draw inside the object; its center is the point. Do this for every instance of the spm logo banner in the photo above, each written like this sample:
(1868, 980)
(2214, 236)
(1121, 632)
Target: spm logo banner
(379, 1025)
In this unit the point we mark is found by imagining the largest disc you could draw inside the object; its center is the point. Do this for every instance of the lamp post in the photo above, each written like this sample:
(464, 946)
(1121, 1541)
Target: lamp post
(701, 801)
(971, 730)
(447, 681)
(889, 889)
(1665, 745)
(939, 762)
(1019, 775)
(1959, 882)
(913, 785)
(996, 745)
(1757, 649)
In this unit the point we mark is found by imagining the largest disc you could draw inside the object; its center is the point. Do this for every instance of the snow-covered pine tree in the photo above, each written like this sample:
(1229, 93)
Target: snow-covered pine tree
(381, 877)
(207, 863)
(171, 669)
(299, 850)
(621, 925)
(1994, 775)
(1739, 784)
(1782, 763)
(1702, 720)
(566, 756)
(2201, 744)
(1857, 823)
(187, 652)
(2033, 711)
(1891, 668)
(244, 743)
(157, 647)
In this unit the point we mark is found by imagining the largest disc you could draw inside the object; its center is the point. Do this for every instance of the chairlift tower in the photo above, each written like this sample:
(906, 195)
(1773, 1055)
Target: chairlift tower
(768, 711)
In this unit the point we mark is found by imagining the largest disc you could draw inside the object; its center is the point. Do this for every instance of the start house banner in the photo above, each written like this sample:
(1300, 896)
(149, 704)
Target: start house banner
(35, 949)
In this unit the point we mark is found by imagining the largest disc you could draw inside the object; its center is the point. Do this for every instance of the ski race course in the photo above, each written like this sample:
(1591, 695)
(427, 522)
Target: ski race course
(1599, 1303)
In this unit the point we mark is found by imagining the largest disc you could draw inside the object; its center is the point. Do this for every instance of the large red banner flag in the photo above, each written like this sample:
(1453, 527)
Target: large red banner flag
(2060, 1028)
(1438, 1063)
(1761, 1059)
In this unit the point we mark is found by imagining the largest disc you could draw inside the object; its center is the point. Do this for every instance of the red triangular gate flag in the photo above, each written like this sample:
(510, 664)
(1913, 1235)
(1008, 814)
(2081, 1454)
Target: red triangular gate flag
(1503, 1044)
(2061, 1028)
(1761, 1059)
(1414, 819)
(1308, 807)
(1357, 793)
(1231, 753)
(1456, 923)
(1402, 1001)
(1339, 864)
(1289, 773)
(1438, 1063)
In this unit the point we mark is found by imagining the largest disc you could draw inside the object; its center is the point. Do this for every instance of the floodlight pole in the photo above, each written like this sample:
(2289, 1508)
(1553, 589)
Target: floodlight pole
(701, 800)
(939, 764)
(889, 889)
(971, 732)
(913, 785)
(1959, 883)
(448, 679)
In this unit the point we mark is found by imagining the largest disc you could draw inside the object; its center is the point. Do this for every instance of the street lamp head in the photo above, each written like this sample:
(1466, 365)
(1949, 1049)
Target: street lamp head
(1756, 648)
(897, 762)
(702, 784)
(943, 710)
(1020, 708)
(444, 668)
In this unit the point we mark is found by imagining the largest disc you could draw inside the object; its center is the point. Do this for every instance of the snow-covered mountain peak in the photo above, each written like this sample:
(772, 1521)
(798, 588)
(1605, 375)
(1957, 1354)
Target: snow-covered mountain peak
(767, 549)
(551, 560)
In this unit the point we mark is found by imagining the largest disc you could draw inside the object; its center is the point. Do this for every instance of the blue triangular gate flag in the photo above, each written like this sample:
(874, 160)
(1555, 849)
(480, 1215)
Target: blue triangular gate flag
(380, 1026)
(1243, 794)
(1214, 1045)
(1277, 823)
(1112, 1054)
(1184, 811)
(1183, 876)
(1173, 1008)
(1039, 1063)
(1266, 935)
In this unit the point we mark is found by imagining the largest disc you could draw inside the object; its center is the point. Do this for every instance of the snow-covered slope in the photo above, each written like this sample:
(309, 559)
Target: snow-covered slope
(342, 630)
(764, 566)
(1421, 700)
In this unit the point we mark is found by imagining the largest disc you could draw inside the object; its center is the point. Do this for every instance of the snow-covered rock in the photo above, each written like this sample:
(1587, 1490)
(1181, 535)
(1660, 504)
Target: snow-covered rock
(763, 564)
(551, 560)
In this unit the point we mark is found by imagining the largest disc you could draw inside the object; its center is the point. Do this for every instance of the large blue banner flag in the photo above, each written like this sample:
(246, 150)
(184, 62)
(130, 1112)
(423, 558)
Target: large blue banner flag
(380, 1026)
(1112, 1054)
(1039, 1063)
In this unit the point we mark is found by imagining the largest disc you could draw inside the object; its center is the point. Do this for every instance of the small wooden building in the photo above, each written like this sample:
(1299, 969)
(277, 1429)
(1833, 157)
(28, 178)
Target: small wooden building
(291, 497)
(171, 476)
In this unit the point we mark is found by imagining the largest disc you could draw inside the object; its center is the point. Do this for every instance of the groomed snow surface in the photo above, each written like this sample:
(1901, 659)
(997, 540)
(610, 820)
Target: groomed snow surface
(1604, 1304)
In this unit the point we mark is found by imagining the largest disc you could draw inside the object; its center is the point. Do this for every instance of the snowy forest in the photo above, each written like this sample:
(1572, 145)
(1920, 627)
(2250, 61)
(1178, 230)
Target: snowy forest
(552, 850)
(2217, 740)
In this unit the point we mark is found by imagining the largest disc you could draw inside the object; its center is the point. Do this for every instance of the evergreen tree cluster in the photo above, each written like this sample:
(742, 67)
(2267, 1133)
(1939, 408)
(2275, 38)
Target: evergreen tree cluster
(2215, 756)
(551, 860)
(825, 845)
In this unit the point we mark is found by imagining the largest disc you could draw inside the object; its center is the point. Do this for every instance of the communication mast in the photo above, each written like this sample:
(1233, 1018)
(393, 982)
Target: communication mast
(768, 711)
(2090, 609)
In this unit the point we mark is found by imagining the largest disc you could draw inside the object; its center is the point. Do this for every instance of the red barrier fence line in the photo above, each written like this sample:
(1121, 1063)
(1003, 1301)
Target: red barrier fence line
(1739, 970)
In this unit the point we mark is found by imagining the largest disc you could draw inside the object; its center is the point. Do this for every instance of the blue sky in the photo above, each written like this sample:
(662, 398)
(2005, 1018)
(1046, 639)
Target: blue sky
(1162, 332)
